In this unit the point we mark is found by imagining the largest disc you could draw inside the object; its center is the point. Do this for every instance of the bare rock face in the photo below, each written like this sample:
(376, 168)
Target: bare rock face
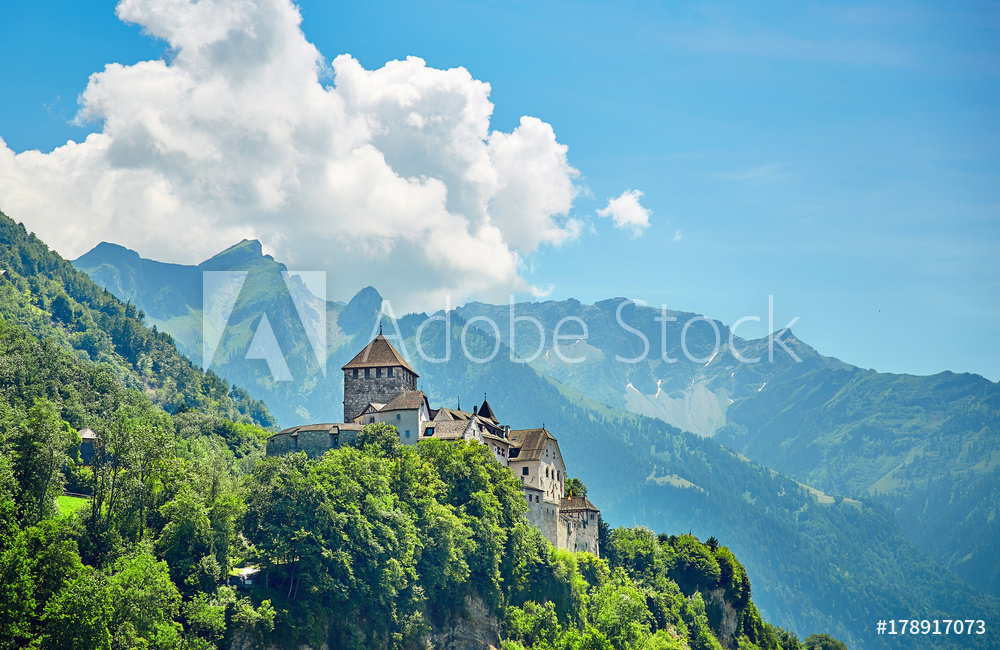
(727, 616)
(478, 630)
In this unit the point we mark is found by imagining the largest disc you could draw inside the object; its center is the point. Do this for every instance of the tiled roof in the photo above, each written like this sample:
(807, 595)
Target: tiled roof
(87, 433)
(447, 430)
(444, 414)
(500, 439)
(577, 503)
(489, 425)
(486, 412)
(408, 400)
(329, 427)
(530, 443)
(378, 353)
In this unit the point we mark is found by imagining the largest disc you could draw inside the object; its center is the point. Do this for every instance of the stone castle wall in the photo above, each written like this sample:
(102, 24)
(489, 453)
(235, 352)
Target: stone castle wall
(545, 517)
(314, 443)
(577, 533)
(358, 393)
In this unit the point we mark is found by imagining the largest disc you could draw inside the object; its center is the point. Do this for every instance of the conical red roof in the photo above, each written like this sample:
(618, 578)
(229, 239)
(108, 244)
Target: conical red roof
(378, 353)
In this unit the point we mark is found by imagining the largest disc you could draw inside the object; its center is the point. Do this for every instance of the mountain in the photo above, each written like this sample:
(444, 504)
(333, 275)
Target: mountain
(402, 547)
(818, 562)
(928, 447)
(173, 298)
(43, 294)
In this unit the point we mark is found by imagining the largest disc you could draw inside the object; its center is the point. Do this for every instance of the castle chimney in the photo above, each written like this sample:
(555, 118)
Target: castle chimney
(475, 409)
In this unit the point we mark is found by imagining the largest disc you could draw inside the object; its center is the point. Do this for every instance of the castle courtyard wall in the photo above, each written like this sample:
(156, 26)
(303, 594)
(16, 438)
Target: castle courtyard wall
(313, 443)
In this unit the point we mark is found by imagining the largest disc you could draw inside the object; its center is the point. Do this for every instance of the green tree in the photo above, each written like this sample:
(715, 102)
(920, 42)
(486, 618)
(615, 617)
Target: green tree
(130, 455)
(77, 617)
(823, 642)
(54, 558)
(144, 603)
(574, 487)
(40, 449)
(380, 438)
(534, 625)
(16, 587)
(186, 541)
(619, 612)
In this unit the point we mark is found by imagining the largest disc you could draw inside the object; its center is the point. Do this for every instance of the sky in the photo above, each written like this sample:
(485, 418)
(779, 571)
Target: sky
(842, 158)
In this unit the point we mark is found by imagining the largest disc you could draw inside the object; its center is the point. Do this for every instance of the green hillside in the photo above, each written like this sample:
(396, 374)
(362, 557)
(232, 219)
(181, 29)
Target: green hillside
(926, 447)
(44, 294)
(822, 563)
(378, 547)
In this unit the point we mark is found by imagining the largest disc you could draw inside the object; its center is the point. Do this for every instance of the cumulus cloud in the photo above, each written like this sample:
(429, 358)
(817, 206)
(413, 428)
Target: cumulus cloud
(627, 213)
(390, 177)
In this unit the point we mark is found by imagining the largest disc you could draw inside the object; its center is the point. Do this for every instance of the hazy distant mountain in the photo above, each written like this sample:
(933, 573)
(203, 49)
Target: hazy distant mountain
(818, 561)
(929, 446)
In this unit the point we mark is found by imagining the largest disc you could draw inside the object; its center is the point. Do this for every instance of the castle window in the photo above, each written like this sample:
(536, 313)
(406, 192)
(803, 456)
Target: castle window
(524, 471)
(397, 416)
(407, 433)
(546, 472)
(389, 371)
(367, 371)
(355, 373)
(592, 517)
(378, 372)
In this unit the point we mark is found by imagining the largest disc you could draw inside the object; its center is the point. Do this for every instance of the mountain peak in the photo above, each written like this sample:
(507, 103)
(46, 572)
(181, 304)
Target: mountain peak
(362, 308)
(106, 252)
(246, 252)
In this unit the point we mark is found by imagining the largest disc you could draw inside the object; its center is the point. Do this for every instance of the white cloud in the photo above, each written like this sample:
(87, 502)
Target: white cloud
(678, 236)
(627, 213)
(389, 177)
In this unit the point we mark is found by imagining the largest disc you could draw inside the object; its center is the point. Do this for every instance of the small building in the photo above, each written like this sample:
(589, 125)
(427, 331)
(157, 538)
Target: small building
(407, 411)
(314, 439)
(87, 441)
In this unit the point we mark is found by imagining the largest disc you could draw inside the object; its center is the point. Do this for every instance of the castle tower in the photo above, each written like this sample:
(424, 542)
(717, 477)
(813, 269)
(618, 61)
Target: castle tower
(377, 374)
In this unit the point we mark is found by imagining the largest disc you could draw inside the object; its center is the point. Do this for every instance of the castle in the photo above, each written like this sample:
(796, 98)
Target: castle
(380, 386)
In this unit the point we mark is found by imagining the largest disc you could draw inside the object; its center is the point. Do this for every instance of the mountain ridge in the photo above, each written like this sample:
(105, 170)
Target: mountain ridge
(739, 383)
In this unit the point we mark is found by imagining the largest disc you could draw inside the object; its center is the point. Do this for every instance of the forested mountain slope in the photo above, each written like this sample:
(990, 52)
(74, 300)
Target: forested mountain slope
(928, 447)
(44, 294)
(818, 562)
(377, 547)
(648, 471)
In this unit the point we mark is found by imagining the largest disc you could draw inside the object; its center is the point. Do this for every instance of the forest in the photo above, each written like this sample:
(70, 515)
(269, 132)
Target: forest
(379, 546)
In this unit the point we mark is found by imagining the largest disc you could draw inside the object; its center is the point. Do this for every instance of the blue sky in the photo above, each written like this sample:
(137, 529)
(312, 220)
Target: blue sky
(843, 158)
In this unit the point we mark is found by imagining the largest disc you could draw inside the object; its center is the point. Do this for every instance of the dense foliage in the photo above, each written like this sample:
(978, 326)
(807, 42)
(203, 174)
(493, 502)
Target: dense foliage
(55, 302)
(831, 564)
(376, 547)
(381, 546)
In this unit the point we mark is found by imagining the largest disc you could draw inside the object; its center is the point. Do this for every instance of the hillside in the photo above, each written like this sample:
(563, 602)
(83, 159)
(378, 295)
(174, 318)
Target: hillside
(820, 563)
(44, 294)
(378, 547)
(829, 564)
(928, 447)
